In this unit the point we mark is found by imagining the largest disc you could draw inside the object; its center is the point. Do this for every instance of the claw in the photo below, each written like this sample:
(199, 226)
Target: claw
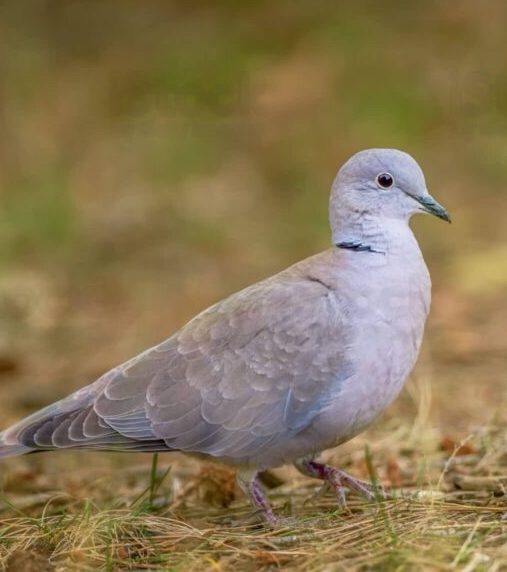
(340, 481)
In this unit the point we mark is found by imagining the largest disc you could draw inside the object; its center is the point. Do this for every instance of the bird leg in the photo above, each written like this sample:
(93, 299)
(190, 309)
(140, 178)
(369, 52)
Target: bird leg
(249, 483)
(338, 479)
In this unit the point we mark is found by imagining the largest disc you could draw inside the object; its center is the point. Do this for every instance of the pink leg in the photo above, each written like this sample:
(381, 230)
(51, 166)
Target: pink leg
(250, 485)
(337, 478)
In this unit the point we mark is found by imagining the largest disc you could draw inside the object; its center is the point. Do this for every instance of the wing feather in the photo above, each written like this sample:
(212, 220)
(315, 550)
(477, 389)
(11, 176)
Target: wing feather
(251, 371)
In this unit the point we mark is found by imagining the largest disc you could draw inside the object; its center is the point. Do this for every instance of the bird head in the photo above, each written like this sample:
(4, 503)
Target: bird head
(383, 184)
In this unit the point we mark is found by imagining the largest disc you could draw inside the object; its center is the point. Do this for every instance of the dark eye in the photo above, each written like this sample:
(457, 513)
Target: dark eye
(384, 180)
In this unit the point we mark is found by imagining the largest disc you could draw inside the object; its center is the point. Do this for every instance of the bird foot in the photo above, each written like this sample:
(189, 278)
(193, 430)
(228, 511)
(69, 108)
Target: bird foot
(250, 485)
(340, 481)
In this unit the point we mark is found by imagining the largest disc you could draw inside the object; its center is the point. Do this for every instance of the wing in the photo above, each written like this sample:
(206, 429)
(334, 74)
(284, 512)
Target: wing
(256, 367)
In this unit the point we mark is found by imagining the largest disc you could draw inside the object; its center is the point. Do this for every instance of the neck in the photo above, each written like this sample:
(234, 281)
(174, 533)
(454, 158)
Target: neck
(366, 233)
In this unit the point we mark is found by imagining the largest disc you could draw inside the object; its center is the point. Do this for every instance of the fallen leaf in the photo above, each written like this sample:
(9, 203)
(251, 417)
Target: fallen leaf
(452, 447)
(393, 472)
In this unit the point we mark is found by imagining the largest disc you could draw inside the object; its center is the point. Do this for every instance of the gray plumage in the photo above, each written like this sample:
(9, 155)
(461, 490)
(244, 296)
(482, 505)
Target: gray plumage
(285, 368)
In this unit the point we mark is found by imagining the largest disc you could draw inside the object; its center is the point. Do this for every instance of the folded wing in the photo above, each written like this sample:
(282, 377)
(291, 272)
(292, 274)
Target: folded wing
(254, 368)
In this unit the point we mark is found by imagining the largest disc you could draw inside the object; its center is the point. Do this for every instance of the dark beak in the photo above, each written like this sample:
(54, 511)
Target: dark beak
(431, 206)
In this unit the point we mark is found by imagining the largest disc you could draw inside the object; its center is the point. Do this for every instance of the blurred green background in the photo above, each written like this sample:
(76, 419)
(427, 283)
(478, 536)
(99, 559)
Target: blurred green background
(156, 156)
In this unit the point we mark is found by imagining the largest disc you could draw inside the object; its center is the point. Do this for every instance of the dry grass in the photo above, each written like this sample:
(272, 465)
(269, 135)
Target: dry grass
(447, 512)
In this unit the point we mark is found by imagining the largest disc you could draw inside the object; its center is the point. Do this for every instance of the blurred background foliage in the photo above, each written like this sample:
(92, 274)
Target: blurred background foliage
(157, 156)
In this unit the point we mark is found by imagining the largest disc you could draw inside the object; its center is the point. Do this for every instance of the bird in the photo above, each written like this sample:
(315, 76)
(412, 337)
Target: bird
(284, 369)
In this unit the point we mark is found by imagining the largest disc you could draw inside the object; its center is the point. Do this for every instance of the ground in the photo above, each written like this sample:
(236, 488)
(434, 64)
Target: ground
(155, 159)
(447, 511)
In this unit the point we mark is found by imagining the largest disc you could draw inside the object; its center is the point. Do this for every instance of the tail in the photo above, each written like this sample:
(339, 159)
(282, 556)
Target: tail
(13, 440)
(72, 423)
(22, 438)
(12, 450)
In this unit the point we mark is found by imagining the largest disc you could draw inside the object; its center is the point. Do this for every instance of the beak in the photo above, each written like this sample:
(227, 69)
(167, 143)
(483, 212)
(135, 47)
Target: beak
(431, 206)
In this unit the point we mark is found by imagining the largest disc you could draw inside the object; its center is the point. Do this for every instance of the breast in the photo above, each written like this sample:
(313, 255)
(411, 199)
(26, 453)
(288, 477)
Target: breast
(389, 306)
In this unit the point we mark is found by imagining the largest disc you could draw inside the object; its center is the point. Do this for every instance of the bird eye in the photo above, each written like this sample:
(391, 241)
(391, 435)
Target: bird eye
(384, 180)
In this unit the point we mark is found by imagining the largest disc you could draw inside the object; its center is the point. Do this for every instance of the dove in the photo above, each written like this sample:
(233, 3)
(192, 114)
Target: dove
(284, 369)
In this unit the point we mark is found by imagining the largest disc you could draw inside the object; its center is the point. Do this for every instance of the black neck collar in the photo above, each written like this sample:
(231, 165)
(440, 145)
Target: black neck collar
(357, 246)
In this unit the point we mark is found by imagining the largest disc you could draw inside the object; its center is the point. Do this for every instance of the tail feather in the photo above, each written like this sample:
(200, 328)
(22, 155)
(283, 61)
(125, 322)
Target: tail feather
(73, 423)
(14, 450)
(20, 438)
(53, 429)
